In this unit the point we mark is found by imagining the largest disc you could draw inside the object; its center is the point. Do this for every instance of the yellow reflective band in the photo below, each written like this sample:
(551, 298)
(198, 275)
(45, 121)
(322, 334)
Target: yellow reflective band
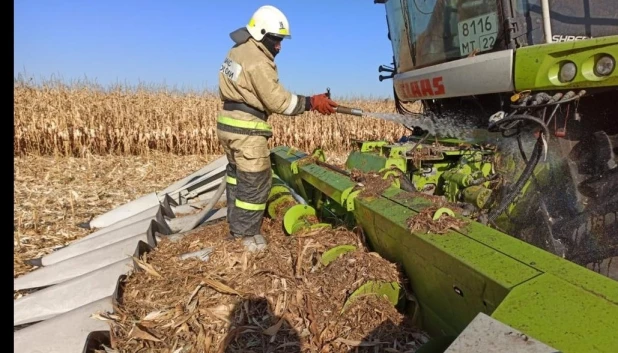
(250, 206)
(255, 125)
(230, 180)
(284, 31)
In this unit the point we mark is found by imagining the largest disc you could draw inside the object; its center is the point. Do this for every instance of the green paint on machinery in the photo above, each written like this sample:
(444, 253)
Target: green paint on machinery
(466, 271)
(451, 169)
(481, 65)
(533, 173)
(538, 66)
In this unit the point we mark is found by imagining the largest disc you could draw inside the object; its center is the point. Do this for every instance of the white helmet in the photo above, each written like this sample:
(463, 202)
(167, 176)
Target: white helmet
(268, 19)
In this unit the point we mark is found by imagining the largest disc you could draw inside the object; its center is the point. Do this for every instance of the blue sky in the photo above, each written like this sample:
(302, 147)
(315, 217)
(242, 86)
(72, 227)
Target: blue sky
(337, 43)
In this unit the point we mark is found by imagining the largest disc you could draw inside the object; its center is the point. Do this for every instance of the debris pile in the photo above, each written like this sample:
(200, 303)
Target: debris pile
(373, 183)
(298, 295)
(424, 222)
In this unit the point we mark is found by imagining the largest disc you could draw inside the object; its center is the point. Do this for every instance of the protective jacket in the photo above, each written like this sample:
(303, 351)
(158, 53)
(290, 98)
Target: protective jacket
(250, 90)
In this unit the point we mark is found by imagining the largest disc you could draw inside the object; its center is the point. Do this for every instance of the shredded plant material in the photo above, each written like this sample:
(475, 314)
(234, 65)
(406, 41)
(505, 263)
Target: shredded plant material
(373, 183)
(281, 299)
(424, 222)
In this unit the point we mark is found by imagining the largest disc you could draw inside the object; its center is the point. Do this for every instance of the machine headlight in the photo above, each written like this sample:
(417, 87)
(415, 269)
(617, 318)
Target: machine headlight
(567, 72)
(604, 66)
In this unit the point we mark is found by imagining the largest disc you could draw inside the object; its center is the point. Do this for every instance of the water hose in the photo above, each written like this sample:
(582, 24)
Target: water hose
(349, 111)
(201, 217)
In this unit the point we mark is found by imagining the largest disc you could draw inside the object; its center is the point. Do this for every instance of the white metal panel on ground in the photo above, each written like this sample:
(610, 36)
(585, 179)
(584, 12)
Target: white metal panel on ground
(176, 224)
(64, 297)
(211, 179)
(174, 187)
(198, 187)
(485, 334)
(144, 216)
(103, 240)
(65, 333)
(125, 211)
(96, 257)
(78, 265)
(198, 203)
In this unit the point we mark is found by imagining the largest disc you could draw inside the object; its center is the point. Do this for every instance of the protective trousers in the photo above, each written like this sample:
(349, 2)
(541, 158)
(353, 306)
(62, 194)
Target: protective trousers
(248, 177)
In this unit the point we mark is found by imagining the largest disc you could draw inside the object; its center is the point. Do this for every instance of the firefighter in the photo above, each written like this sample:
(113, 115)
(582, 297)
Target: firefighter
(250, 89)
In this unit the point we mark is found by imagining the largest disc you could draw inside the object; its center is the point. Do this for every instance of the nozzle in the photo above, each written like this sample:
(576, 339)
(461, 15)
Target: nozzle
(345, 110)
(349, 111)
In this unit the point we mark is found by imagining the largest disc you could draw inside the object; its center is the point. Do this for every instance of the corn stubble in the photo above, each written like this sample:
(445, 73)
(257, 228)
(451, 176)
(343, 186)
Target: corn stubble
(77, 119)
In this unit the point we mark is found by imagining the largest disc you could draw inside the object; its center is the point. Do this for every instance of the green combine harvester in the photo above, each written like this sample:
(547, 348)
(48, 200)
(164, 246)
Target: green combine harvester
(535, 76)
(494, 228)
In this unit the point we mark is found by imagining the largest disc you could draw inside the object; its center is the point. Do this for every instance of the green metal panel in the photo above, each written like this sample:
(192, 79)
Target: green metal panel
(282, 159)
(532, 256)
(477, 269)
(536, 66)
(327, 181)
(561, 315)
(365, 162)
(438, 265)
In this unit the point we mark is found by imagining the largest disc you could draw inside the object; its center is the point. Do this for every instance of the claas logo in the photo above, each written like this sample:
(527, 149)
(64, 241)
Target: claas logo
(423, 88)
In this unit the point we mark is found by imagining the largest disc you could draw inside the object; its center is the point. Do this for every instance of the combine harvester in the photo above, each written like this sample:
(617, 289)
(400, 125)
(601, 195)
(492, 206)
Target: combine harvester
(513, 277)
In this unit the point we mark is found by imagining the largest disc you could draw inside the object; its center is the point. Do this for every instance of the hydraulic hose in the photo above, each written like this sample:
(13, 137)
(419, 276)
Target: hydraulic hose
(202, 215)
(525, 175)
(506, 124)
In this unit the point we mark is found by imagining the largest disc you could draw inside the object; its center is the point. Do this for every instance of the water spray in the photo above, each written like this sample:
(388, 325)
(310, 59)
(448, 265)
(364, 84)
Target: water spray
(451, 125)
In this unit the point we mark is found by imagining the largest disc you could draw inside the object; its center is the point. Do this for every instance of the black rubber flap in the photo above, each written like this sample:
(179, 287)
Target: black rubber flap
(95, 340)
(169, 202)
(157, 226)
(38, 262)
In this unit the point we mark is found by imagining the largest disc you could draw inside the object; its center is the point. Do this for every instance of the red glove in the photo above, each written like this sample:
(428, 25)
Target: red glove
(323, 104)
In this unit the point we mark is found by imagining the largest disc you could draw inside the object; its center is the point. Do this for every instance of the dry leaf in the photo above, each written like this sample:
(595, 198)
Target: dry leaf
(358, 343)
(146, 267)
(154, 315)
(220, 287)
(142, 333)
(271, 331)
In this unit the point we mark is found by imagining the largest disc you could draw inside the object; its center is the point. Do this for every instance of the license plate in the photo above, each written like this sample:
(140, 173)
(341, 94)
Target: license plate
(478, 33)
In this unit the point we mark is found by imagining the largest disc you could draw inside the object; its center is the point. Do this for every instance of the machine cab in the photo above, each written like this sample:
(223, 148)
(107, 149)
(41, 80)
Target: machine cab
(430, 32)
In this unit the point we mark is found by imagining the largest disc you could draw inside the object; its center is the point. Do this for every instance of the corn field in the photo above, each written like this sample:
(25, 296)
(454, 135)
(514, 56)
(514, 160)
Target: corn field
(80, 119)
